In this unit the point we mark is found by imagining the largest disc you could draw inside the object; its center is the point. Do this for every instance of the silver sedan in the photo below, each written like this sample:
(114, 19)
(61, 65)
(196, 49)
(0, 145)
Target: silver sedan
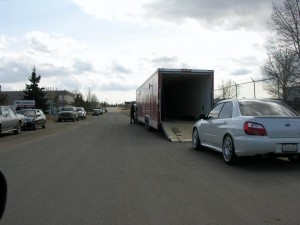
(248, 128)
(9, 120)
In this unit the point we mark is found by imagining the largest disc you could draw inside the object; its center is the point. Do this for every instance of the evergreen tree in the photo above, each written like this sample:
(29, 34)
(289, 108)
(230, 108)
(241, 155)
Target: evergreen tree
(3, 98)
(34, 92)
(78, 100)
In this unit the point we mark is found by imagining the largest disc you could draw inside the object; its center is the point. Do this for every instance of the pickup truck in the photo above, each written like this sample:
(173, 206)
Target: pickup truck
(68, 113)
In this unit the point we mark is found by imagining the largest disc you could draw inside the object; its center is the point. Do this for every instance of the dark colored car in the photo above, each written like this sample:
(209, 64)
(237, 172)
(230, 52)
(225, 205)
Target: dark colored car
(34, 118)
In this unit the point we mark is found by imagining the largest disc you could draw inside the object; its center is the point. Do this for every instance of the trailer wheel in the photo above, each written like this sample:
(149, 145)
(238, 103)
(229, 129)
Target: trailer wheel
(147, 125)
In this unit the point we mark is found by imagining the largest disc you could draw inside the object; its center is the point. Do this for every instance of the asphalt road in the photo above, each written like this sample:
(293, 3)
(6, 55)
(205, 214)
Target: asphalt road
(105, 171)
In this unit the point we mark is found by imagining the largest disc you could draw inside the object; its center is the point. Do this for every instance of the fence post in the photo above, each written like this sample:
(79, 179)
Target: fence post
(254, 87)
(236, 95)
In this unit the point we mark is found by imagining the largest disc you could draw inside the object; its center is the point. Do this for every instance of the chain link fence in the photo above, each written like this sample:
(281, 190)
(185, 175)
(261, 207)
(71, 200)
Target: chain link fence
(256, 89)
(250, 89)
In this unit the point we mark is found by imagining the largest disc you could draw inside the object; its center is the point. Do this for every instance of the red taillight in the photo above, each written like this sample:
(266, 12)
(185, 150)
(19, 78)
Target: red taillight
(251, 128)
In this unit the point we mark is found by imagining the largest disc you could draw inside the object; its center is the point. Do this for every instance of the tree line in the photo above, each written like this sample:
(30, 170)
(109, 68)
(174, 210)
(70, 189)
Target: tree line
(34, 92)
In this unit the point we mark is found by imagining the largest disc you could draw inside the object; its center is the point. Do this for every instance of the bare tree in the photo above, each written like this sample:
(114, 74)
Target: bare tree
(92, 100)
(227, 89)
(89, 95)
(285, 22)
(281, 70)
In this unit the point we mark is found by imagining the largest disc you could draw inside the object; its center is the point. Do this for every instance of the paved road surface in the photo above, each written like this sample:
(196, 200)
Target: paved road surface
(105, 171)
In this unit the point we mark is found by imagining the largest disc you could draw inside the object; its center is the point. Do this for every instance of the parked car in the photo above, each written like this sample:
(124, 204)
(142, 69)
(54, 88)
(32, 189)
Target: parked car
(34, 118)
(248, 128)
(21, 118)
(81, 112)
(9, 120)
(97, 112)
(68, 113)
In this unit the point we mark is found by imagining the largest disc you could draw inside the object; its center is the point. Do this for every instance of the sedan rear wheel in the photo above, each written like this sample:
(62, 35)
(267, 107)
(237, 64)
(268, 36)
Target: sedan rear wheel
(228, 151)
(196, 143)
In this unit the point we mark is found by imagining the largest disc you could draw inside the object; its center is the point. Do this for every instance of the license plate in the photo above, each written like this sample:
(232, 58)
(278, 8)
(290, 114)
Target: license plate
(289, 147)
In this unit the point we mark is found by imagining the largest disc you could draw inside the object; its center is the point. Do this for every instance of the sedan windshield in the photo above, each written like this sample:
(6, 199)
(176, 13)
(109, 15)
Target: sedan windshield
(265, 108)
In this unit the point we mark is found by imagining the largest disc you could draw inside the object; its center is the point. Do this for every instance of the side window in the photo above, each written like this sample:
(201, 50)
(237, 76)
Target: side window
(5, 111)
(214, 113)
(11, 112)
(226, 111)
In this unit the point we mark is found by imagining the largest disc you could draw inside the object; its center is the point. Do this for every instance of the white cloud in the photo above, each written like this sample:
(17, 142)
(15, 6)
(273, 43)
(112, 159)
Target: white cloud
(3, 41)
(117, 45)
(228, 15)
(52, 43)
(128, 10)
(241, 71)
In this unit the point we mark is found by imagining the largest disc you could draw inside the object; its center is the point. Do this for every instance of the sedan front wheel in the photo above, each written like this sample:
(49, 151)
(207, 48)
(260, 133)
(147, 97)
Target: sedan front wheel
(35, 126)
(228, 151)
(18, 130)
(294, 159)
(196, 143)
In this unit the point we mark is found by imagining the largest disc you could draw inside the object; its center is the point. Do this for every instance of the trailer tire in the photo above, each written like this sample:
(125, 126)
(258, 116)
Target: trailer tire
(147, 125)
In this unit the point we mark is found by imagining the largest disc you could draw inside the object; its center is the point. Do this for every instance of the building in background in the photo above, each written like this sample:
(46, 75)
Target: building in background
(56, 99)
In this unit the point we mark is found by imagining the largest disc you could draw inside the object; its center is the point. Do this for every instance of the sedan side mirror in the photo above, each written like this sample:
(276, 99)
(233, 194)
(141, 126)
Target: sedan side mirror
(202, 116)
(3, 193)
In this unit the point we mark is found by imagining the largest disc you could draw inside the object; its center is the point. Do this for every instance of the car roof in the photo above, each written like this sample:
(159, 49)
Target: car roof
(250, 99)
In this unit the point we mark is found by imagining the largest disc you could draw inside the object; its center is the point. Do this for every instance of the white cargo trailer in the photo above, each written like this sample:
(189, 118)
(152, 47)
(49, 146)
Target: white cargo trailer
(173, 99)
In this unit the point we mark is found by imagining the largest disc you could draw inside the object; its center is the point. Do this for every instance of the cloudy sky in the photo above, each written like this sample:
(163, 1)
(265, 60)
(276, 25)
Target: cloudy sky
(112, 47)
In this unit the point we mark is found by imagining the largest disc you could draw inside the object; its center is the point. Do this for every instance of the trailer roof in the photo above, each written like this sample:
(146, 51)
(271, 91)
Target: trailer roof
(167, 70)
(183, 73)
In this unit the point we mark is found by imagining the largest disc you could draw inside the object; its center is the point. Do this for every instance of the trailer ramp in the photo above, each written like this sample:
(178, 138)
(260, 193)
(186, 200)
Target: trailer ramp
(178, 131)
